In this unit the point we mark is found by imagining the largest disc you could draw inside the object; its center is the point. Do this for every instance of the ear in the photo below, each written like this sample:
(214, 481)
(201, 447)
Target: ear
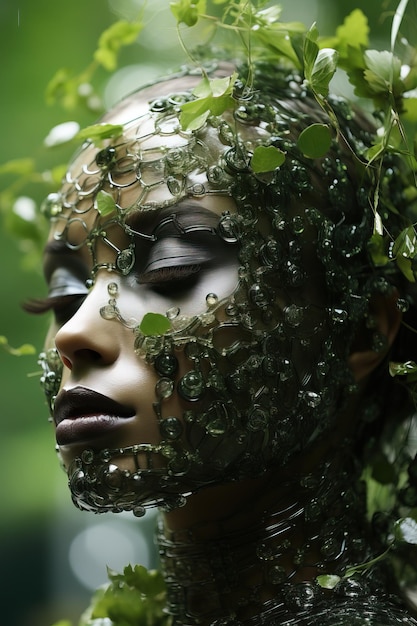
(387, 317)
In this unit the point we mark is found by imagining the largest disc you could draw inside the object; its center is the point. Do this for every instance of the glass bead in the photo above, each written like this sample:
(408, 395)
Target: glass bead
(139, 511)
(108, 312)
(52, 205)
(228, 228)
(166, 365)
(174, 185)
(191, 386)
(293, 315)
(179, 464)
(112, 289)
(113, 477)
(258, 420)
(87, 456)
(164, 388)
(171, 428)
(172, 313)
(125, 260)
(265, 552)
(300, 597)
(106, 157)
(311, 399)
(259, 295)
(211, 299)
(277, 575)
(298, 224)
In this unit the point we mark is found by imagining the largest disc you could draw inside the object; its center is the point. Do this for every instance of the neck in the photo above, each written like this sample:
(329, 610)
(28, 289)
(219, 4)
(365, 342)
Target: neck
(262, 554)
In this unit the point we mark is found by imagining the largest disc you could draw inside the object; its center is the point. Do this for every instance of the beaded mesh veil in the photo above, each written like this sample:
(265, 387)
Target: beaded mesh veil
(264, 369)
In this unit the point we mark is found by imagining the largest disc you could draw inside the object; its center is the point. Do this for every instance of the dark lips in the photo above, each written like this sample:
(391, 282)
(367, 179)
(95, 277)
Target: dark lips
(81, 415)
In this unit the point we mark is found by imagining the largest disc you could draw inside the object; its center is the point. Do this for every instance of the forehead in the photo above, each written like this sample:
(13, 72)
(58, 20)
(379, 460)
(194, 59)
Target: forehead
(153, 164)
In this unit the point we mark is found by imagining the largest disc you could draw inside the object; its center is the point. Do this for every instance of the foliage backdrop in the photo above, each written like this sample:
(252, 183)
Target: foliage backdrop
(36, 39)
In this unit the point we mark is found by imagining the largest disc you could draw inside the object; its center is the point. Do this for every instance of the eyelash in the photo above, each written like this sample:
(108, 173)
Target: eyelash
(167, 279)
(63, 307)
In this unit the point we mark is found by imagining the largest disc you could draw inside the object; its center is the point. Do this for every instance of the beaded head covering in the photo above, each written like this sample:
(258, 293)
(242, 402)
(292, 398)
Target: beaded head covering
(264, 369)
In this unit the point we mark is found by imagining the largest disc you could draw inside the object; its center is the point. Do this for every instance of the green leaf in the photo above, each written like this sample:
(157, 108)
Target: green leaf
(405, 244)
(403, 369)
(328, 581)
(352, 33)
(323, 70)
(266, 159)
(24, 350)
(187, 11)
(97, 132)
(377, 249)
(315, 140)
(213, 98)
(154, 324)
(406, 267)
(405, 530)
(383, 71)
(397, 19)
(104, 203)
(21, 167)
(121, 33)
(63, 622)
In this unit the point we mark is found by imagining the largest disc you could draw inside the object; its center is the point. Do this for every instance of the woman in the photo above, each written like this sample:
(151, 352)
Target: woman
(222, 340)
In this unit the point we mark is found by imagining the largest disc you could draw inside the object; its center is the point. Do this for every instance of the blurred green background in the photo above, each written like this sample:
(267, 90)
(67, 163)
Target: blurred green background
(45, 544)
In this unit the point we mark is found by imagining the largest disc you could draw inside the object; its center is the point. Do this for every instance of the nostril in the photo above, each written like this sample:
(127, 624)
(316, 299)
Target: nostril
(67, 363)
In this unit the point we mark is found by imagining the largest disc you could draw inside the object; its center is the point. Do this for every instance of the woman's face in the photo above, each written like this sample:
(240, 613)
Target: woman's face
(145, 416)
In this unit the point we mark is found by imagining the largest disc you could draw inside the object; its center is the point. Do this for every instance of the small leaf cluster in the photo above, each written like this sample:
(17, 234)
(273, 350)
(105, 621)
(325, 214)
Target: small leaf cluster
(136, 597)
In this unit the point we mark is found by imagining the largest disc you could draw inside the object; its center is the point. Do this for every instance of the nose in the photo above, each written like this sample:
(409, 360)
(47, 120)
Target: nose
(87, 339)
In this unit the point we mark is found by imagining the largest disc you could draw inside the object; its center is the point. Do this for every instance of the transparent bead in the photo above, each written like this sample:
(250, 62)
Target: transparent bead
(171, 428)
(211, 299)
(228, 228)
(125, 260)
(52, 205)
(108, 312)
(258, 420)
(402, 305)
(87, 456)
(112, 289)
(173, 313)
(293, 315)
(277, 575)
(106, 157)
(298, 224)
(166, 365)
(164, 388)
(191, 386)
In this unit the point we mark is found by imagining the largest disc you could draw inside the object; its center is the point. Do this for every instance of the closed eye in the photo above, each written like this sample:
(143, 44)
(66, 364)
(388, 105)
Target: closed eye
(170, 279)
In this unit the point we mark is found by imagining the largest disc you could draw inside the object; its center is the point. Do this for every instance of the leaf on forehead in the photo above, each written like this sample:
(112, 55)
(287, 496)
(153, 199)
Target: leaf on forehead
(315, 141)
(266, 159)
(98, 132)
(104, 203)
(154, 324)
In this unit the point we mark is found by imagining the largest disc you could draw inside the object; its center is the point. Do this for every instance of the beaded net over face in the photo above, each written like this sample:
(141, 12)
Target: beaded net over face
(264, 369)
